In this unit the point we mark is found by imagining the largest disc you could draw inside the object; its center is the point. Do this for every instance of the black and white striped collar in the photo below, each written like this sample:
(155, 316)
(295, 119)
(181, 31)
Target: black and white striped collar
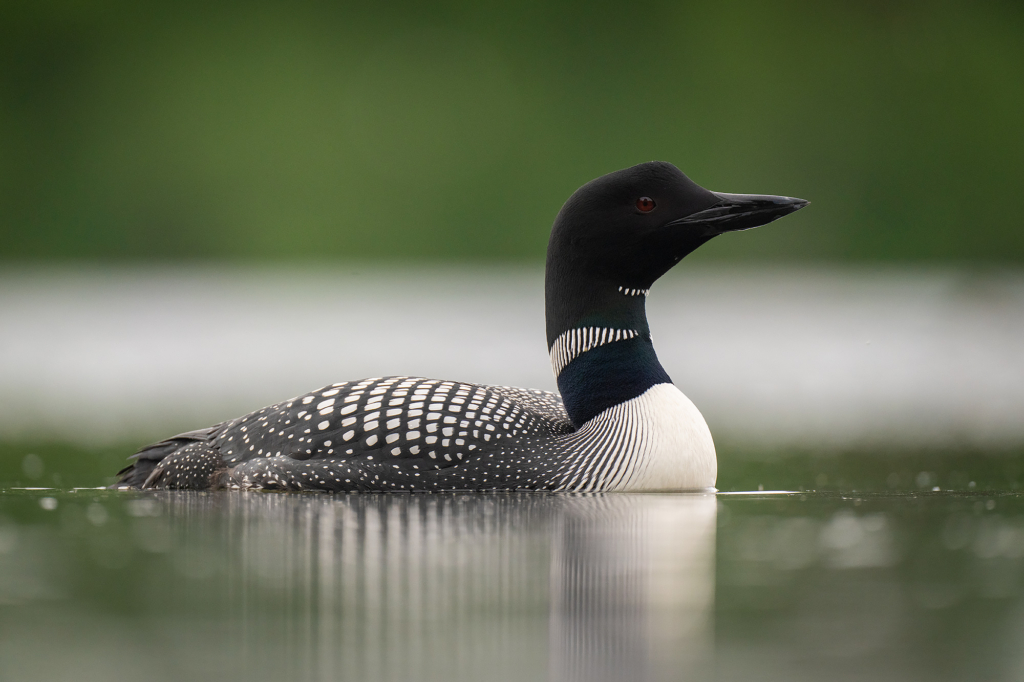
(574, 342)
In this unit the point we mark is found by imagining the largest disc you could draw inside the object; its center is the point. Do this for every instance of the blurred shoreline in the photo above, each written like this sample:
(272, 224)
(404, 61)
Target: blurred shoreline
(775, 357)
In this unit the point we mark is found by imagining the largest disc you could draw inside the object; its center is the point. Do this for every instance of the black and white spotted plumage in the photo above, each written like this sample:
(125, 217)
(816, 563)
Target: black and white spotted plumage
(393, 433)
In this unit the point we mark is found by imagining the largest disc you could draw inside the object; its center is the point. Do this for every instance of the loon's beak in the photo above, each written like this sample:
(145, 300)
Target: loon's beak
(741, 212)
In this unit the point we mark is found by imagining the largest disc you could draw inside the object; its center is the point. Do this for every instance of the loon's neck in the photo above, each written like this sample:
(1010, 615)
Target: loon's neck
(600, 347)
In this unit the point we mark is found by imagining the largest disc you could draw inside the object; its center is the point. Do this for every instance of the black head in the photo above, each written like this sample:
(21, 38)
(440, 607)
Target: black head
(624, 230)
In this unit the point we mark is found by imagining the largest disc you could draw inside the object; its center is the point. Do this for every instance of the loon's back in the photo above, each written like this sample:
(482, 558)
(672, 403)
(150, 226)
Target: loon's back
(392, 433)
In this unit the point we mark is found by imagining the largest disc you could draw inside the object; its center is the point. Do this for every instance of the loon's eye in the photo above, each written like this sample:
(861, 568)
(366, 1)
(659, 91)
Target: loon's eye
(645, 204)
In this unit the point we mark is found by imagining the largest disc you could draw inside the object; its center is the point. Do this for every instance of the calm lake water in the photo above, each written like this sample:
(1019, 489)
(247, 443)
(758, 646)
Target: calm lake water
(96, 585)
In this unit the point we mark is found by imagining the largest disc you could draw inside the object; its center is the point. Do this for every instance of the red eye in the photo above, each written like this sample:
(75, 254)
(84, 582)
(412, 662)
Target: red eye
(645, 204)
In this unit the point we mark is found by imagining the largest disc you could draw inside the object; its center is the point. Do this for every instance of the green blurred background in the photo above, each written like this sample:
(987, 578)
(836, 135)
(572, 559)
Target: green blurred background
(454, 131)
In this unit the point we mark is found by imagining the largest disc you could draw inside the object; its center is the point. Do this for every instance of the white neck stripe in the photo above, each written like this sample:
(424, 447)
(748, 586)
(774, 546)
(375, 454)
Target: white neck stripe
(573, 343)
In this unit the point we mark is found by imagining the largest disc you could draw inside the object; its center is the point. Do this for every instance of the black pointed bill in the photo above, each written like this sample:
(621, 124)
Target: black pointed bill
(741, 212)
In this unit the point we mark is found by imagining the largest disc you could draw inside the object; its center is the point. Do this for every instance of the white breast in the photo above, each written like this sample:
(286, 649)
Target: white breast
(680, 454)
(657, 441)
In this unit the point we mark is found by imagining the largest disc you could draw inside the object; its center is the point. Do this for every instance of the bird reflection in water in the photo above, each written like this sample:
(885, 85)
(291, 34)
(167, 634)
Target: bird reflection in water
(456, 586)
(632, 588)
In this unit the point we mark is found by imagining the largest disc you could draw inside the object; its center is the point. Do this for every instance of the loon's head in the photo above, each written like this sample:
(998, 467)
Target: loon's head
(619, 233)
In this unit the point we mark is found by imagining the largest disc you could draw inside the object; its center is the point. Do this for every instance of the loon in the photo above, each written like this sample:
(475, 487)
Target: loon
(619, 423)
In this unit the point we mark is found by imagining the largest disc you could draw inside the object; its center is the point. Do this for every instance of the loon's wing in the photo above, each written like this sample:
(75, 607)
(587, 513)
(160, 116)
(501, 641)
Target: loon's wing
(389, 433)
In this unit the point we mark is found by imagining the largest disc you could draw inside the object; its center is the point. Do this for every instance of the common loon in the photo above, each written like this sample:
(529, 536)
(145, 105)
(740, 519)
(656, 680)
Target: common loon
(619, 425)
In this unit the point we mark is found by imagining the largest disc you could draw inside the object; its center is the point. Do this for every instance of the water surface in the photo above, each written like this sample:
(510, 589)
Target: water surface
(234, 585)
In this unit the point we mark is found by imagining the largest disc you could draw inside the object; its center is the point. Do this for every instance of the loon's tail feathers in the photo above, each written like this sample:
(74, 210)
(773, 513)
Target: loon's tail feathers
(136, 474)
